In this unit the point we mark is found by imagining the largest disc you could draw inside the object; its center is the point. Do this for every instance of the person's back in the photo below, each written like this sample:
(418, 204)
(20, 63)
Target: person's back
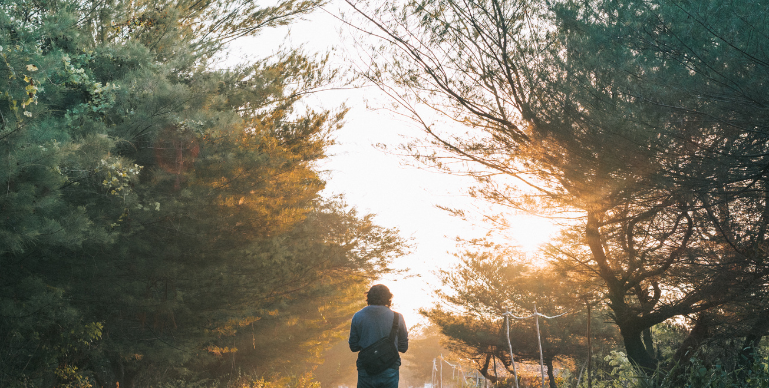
(370, 324)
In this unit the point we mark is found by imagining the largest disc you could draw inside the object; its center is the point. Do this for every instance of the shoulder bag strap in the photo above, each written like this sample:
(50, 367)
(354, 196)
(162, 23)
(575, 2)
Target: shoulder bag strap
(394, 329)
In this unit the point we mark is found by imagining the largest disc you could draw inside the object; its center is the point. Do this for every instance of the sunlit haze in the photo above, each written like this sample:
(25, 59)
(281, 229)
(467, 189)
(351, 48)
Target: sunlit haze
(374, 181)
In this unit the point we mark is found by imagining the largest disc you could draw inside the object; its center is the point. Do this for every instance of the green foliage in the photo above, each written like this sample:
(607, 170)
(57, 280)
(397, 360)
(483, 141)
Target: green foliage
(157, 214)
(242, 380)
(623, 374)
(642, 121)
(44, 338)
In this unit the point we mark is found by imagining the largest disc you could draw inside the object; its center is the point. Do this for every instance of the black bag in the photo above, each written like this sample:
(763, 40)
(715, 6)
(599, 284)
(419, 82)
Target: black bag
(382, 354)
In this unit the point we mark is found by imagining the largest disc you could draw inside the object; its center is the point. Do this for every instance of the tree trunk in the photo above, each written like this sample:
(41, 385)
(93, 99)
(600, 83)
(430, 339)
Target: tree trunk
(693, 341)
(648, 342)
(550, 372)
(485, 369)
(757, 331)
(636, 350)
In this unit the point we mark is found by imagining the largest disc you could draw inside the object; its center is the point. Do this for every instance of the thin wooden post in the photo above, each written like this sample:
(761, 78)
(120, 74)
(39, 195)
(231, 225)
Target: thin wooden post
(589, 348)
(435, 369)
(539, 340)
(441, 371)
(510, 347)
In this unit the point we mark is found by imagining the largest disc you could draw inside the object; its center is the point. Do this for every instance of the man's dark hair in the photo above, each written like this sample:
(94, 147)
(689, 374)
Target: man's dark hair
(380, 295)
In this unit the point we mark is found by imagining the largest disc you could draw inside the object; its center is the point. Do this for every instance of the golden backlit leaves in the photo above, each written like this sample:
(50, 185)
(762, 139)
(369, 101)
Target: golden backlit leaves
(232, 325)
(220, 351)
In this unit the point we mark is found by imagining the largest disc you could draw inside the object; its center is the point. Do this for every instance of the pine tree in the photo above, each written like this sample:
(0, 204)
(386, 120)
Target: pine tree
(154, 206)
(646, 119)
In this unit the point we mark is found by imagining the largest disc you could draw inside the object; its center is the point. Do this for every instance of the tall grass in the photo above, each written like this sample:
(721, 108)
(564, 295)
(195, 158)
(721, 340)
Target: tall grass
(696, 375)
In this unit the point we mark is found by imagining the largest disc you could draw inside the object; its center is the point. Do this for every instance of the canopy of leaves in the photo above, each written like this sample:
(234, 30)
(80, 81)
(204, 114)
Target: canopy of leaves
(158, 215)
(647, 119)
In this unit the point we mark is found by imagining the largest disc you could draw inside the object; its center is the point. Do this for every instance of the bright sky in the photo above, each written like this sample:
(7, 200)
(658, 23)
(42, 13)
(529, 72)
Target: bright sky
(376, 182)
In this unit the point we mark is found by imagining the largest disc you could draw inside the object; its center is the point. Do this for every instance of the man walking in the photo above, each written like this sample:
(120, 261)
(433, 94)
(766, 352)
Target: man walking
(372, 323)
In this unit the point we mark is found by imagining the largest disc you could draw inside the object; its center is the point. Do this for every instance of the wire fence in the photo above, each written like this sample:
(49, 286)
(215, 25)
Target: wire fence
(476, 379)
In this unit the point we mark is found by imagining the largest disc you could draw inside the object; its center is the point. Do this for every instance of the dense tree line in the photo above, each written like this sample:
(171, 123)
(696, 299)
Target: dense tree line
(645, 120)
(160, 219)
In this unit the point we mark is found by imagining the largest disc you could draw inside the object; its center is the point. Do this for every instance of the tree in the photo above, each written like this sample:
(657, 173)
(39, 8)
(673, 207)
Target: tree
(631, 115)
(493, 281)
(155, 208)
